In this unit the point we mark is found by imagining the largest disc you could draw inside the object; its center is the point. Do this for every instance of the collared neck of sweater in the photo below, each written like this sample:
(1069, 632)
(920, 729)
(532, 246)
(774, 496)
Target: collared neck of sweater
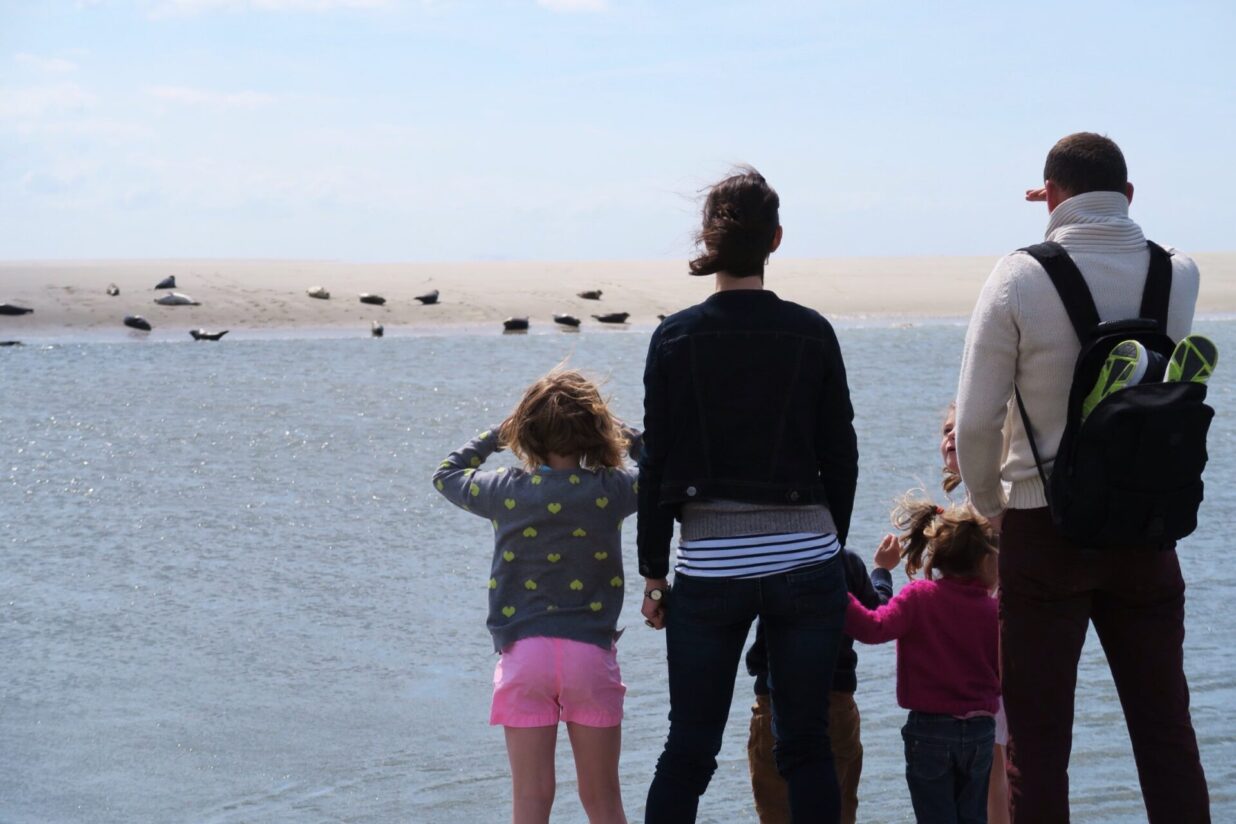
(1095, 222)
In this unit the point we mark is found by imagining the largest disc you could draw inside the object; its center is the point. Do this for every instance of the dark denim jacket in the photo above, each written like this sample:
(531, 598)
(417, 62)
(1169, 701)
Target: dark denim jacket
(745, 399)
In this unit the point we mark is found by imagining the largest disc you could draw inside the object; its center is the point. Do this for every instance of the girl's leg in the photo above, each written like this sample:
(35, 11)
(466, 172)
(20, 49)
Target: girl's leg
(998, 789)
(531, 753)
(596, 769)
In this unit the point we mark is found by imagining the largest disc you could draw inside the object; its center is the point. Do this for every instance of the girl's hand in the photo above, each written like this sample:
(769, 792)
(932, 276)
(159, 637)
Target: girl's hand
(888, 556)
(652, 609)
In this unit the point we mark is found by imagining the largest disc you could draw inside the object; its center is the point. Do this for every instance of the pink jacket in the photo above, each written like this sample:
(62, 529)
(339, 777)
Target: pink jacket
(947, 658)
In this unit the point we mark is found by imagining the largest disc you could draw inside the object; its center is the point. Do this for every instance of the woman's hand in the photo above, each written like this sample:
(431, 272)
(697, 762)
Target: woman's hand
(1036, 195)
(652, 609)
(888, 556)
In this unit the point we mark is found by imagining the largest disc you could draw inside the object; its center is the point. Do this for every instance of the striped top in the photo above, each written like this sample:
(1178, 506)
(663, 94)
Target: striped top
(754, 556)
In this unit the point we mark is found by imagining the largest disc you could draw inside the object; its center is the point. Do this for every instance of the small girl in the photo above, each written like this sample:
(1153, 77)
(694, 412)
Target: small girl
(947, 675)
(555, 586)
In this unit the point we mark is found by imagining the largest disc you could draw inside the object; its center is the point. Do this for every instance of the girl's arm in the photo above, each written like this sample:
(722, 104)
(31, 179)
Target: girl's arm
(458, 480)
(877, 626)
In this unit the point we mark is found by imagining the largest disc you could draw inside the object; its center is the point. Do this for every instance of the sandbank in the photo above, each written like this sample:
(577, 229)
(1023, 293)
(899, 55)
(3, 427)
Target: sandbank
(70, 299)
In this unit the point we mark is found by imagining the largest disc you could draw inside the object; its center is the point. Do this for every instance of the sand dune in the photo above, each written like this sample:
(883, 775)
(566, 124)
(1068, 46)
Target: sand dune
(70, 297)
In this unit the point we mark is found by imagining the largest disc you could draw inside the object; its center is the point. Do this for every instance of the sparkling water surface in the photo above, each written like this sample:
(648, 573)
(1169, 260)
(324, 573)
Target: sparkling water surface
(228, 592)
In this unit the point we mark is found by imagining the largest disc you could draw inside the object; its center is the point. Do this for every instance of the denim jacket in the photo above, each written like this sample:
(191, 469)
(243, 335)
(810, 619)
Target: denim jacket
(745, 399)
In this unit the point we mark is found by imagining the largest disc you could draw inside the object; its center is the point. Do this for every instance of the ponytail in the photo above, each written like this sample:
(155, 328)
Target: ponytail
(953, 541)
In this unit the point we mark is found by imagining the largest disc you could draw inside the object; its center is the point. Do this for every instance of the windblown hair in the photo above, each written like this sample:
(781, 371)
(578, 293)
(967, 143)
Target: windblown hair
(1086, 162)
(741, 218)
(564, 413)
(952, 542)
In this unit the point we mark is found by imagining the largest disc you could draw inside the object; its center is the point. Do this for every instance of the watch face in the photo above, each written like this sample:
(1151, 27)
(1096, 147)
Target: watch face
(656, 594)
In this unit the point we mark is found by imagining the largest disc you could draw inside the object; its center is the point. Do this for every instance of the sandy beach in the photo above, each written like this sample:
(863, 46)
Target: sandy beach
(70, 298)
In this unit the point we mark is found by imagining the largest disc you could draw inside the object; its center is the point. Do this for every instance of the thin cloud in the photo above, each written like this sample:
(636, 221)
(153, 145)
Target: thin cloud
(573, 5)
(170, 8)
(41, 101)
(45, 65)
(207, 98)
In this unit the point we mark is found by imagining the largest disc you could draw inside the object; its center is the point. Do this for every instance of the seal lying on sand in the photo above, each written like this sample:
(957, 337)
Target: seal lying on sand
(515, 325)
(591, 294)
(168, 282)
(10, 309)
(377, 330)
(176, 299)
(202, 334)
(113, 289)
(376, 300)
(10, 343)
(318, 292)
(137, 322)
(428, 298)
(613, 317)
(566, 320)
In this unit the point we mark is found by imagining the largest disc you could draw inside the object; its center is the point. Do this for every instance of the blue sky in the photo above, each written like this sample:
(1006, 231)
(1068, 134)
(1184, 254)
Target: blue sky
(582, 129)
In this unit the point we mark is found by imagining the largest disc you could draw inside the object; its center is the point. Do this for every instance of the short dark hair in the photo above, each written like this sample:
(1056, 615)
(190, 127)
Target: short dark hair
(1086, 162)
(741, 218)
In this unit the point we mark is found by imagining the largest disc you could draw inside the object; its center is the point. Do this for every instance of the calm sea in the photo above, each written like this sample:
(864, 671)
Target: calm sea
(228, 592)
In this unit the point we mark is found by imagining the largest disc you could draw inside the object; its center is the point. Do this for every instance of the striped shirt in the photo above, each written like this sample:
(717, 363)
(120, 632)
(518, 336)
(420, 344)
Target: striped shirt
(754, 556)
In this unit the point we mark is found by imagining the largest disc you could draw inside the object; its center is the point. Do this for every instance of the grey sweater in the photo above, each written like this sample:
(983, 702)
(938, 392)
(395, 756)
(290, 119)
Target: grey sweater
(557, 565)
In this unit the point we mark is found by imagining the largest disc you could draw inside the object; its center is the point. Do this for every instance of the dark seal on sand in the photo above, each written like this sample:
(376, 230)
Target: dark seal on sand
(613, 317)
(137, 322)
(377, 330)
(428, 298)
(515, 325)
(566, 320)
(113, 289)
(10, 309)
(591, 294)
(202, 334)
(168, 282)
(376, 300)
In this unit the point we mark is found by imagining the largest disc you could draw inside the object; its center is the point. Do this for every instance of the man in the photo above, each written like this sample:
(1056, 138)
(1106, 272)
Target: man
(1050, 588)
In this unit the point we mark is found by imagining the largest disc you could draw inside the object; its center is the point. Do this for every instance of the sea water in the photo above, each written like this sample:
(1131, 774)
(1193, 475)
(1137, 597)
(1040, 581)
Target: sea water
(228, 592)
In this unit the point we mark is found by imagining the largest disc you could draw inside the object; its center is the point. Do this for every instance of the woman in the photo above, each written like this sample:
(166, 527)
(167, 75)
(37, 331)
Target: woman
(749, 442)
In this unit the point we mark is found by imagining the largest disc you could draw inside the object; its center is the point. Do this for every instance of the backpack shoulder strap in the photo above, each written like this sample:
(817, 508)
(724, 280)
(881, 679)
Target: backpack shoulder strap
(1158, 286)
(1068, 280)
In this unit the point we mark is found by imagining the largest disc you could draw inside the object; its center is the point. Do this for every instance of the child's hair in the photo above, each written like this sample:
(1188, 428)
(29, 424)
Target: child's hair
(564, 413)
(953, 541)
(950, 480)
(740, 222)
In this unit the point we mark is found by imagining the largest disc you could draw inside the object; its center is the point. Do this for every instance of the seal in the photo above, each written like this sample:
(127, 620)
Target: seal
(566, 320)
(113, 289)
(613, 317)
(10, 343)
(318, 292)
(429, 298)
(168, 282)
(377, 330)
(137, 322)
(202, 334)
(176, 299)
(376, 300)
(591, 294)
(515, 325)
(10, 309)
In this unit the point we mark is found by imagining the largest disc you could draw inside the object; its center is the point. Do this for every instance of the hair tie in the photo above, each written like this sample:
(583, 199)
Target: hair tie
(939, 510)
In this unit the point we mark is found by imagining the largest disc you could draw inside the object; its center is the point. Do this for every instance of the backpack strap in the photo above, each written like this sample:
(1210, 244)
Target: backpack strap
(1068, 280)
(1158, 286)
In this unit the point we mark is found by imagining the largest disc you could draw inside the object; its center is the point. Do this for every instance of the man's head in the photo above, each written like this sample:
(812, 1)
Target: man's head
(1084, 162)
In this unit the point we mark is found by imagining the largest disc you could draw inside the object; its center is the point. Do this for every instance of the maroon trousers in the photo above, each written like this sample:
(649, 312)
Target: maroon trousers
(1050, 590)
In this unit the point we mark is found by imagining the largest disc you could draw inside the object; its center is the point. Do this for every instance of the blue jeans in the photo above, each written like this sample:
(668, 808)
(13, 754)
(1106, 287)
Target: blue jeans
(948, 762)
(707, 620)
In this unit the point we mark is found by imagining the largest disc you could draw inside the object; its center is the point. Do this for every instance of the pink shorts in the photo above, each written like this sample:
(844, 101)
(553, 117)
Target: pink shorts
(541, 680)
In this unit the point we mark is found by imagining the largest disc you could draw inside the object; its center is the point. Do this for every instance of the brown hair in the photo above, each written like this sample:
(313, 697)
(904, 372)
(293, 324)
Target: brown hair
(953, 541)
(741, 218)
(564, 413)
(1086, 162)
(950, 480)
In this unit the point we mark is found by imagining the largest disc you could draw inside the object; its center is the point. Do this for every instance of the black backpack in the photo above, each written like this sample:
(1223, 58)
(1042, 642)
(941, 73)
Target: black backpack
(1131, 473)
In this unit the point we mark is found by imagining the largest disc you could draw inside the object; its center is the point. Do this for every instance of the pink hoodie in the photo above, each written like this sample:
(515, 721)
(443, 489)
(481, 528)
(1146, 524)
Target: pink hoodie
(946, 644)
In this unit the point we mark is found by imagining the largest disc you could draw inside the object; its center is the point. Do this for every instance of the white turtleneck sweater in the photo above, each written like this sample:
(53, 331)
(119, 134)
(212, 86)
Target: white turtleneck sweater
(1020, 332)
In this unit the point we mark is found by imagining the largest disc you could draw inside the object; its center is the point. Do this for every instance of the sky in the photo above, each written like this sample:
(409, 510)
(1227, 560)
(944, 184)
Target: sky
(444, 130)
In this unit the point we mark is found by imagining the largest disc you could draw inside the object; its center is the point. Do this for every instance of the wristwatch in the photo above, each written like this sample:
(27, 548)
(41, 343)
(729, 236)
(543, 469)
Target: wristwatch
(656, 593)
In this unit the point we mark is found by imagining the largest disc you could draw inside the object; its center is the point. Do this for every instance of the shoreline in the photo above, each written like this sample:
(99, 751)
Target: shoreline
(267, 299)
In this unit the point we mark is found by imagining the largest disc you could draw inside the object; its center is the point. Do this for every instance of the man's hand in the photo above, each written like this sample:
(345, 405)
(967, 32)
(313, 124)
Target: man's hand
(654, 611)
(1036, 195)
(888, 556)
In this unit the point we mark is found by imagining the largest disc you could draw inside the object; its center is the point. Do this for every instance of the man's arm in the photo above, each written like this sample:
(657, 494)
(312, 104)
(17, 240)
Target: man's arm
(988, 367)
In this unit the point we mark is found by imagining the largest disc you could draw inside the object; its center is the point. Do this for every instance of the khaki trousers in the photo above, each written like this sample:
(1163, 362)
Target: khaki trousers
(771, 796)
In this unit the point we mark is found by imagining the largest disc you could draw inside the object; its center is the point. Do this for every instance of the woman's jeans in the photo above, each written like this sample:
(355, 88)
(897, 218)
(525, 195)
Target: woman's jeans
(948, 762)
(707, 621)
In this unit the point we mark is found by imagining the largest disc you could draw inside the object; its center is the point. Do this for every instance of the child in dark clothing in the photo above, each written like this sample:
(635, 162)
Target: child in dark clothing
(769, 788)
